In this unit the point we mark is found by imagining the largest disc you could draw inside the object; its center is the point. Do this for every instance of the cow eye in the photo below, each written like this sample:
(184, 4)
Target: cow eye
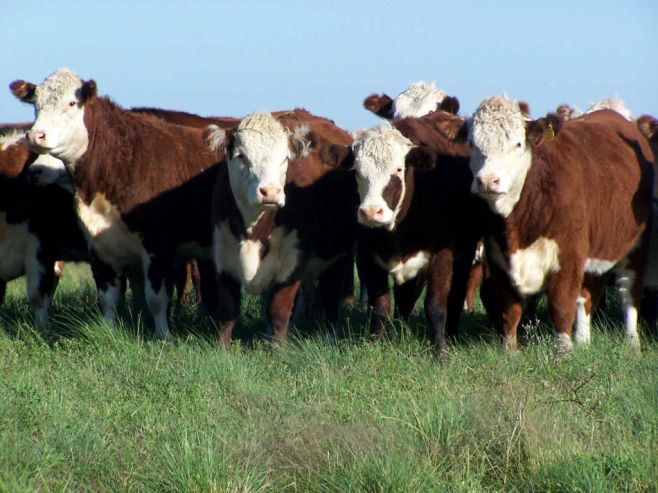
(399, 170)
(72, 103)
(518, 144)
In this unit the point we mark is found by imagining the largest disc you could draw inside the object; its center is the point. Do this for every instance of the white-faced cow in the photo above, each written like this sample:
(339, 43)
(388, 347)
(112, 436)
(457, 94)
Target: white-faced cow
(142, 186)
(38, 226)
(573, 203)
(419, 222)
(280, 214)
(419, 99)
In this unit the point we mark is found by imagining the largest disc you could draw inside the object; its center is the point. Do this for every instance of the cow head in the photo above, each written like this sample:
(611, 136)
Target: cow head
(419, 99)
(59, 105)
(383, 160)
(258, 153)
(500, 152)
(45, 169)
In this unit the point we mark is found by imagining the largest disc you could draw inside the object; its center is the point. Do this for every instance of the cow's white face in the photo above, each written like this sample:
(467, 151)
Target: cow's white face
(258, 158)
(418, 100)
(48, 170)
(379, 163)
(59, 127)
(500, 154)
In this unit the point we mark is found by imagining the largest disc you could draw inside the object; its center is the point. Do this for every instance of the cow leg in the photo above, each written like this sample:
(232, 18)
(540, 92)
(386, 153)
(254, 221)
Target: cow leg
(375, 280)
(334, 286)
(562, 296)
(505, 306)
(280, 309)
(109, 286)
(593, 288)
(157, 272)
(630, 292)
(439, 278)
(40, 281)
(474, 281)
(228, 305)
(3, 291)
(406, 295)
(459, 278)
(204, 279)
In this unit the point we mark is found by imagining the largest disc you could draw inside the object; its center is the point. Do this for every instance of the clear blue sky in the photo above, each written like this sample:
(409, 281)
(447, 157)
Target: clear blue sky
(236, 57)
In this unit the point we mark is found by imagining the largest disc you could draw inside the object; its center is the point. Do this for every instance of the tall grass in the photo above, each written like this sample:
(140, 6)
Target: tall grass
(100, 408)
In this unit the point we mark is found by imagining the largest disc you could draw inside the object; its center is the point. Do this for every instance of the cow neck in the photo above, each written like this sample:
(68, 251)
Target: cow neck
(258, 229)
(532, 214)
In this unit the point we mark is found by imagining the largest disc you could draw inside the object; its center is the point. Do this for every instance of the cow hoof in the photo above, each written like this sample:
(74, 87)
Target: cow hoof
(511, 344)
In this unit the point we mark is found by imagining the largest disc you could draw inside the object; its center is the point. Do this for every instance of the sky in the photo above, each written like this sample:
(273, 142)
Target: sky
(237, 57)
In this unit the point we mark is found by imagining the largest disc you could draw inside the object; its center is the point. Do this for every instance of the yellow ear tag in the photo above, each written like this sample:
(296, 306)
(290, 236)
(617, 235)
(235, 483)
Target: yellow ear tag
(549, 134)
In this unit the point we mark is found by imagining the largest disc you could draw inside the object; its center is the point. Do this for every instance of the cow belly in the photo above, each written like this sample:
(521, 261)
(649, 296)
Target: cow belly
(109, 236)
(17, 246)
(242, 258)
(528, 267)
(407, 269)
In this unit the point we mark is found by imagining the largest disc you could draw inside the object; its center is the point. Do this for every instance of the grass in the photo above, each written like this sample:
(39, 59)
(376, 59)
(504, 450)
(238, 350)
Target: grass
(97, 408)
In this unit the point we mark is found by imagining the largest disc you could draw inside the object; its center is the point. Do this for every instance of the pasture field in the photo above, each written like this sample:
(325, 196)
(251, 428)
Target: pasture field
(96, 408)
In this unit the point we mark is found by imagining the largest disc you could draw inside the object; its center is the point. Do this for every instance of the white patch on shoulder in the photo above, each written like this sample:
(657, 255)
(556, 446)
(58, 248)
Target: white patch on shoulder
(242, 259)
(528, 267)
(598, 266)
(111, 239)
(407, 270)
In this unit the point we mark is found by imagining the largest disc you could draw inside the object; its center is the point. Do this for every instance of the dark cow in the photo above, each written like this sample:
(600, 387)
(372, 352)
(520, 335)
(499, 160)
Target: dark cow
(419, 222)
(280, 215)
(572, 203)
(142, 186)
(38, 226)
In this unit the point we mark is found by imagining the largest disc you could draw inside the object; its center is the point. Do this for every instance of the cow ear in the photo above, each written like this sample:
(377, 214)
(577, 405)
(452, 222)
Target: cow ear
(450, 105)
(380, 105)
(540, 131)
(525, 108)
(88, 90)
(299, 142)
(648, 125)
(421, 158)
(454, 129)
(337, 156)
(24, 91)
(218, 139)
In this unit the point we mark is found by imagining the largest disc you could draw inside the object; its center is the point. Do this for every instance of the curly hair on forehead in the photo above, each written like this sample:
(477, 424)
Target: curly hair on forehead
(497, 120)
(56, 85)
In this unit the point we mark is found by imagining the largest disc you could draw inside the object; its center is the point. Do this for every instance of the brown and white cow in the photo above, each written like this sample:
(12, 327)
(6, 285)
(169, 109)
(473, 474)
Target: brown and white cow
(419, 99)
(38, 226)
(419, 222)
(572, 204)
(142, 186)
(280, 215)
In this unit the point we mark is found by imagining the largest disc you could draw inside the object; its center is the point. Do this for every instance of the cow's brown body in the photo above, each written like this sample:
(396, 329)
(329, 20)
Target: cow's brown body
(317, 222)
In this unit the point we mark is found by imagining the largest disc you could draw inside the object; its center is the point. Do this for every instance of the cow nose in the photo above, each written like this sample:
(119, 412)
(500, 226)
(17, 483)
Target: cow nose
(488, 183)
(372, 213)
(270, 194)
(35, 137)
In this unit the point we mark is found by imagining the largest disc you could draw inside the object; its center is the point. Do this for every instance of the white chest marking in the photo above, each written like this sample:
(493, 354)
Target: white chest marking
(17, 246)
(108, 234)
(242, 258)
(528, 267)
(407, 270)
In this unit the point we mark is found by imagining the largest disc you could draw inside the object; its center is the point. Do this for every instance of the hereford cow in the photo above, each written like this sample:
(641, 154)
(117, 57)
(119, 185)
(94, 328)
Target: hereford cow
(572, 204)
(38, 226)
(142, 186)
(419, 99)
(280, 215)
(419, 222)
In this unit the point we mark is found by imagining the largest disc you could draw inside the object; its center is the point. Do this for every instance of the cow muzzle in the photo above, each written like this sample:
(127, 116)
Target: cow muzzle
(271, 195)
(373, 216)
(489, 183)
(36, 140)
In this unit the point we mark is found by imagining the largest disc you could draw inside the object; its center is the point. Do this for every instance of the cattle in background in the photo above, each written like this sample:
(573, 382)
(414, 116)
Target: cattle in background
(38, 226)
(419, 222)
(419, 99)
(612, 103)
(142, 186)
(572, 204)
(567, 112)
(280, 215)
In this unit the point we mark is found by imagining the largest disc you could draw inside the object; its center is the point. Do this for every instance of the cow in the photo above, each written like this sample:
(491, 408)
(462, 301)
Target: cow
(38, 227)
(419, 99)
(280, 215)
(568, 112)
(142, 186)
(571, 203)
(419, 224)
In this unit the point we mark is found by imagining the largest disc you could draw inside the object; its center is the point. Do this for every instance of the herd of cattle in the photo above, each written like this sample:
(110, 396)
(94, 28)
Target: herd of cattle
(285, 203)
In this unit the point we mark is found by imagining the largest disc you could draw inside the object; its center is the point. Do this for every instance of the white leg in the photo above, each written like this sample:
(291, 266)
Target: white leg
(624, 283)
(582, 329)
(158, 302)
(39, 301)
(563, 343)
